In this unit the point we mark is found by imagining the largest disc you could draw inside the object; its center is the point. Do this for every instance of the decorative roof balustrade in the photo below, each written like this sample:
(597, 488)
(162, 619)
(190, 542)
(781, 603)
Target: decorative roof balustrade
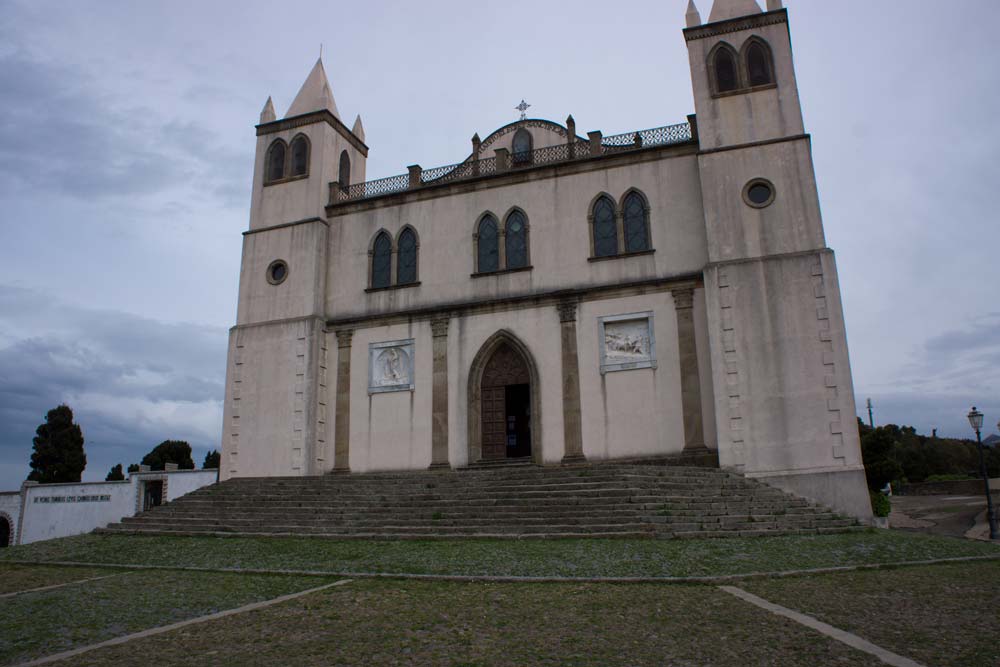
(507, 161)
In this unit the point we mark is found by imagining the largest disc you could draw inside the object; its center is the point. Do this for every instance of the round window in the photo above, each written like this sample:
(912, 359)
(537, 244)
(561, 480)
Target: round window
(277, 272)
(758, 193)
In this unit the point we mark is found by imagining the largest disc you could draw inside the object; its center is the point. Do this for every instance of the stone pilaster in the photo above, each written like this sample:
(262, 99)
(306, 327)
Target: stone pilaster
(694, 436)
(342, 428)
(439, 395)
(572, 422)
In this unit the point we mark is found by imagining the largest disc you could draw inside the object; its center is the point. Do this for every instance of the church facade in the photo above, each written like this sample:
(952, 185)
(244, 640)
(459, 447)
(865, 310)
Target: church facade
(556, 296)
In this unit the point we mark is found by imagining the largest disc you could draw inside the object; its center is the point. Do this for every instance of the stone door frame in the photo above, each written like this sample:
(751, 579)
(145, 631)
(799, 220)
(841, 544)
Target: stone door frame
(475, 403)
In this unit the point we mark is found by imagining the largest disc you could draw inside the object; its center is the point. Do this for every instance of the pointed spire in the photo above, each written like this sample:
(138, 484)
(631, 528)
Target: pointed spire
(267, 113)
(358, 129)
(315, 94)
(693, 17)
(723, 10)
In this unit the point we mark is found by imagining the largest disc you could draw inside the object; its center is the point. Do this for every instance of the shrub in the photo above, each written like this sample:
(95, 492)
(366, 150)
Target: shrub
(880, 504)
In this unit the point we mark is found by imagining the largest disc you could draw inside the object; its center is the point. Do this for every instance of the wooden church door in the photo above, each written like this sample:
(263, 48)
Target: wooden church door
(506, 422)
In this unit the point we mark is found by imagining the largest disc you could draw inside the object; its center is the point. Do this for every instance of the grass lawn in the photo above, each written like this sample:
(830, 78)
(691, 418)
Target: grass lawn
(566, 558)
(15, 578)
(46, 622)
(934, 614)
(940, 615)
(474, 624)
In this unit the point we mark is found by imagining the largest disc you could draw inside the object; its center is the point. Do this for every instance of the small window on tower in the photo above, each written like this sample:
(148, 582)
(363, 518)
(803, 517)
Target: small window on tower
(345, 169)
(758, 59)
(275, 169)
(300, 156)
(724, 69)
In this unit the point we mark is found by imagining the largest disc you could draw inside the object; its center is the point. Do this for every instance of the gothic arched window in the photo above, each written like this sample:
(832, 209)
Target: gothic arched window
(487, 245)
(605, 228)
(406, 257)
(516, 240)
(521, 146)
(300, 156)
(635, 218)
(275, 168)
(345, 169)
(382, 261)
(758, 60)
(724, 70)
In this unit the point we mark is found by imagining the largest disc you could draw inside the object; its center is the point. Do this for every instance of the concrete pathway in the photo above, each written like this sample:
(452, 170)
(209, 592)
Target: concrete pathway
(174, 626)
(852, 640)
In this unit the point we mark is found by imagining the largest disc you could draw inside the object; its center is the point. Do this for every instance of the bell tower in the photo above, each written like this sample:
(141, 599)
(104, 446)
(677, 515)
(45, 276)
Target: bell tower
(785, 408)
(274, 419)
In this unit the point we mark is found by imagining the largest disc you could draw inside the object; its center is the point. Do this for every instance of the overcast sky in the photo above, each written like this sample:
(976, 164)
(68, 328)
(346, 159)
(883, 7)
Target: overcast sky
(127, 139)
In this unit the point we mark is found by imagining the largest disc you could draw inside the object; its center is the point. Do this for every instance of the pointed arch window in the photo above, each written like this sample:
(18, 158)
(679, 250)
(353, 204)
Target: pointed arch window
(406, 257)
(635, 218)
(724, 69)
(488, 245)
(382, 261)
(605, 229)
(275, 166)
(521, 146)
(300, 156)
(516, 240)
(759, 65)
(345, 169)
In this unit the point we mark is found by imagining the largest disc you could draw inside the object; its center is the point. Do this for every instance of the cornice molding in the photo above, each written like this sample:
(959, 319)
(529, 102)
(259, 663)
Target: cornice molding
(527, 174)
(519, 302)
(321, 116)
(736, 25)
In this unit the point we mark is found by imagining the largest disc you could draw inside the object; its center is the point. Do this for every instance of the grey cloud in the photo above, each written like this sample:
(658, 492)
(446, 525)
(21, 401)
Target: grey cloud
(135, 381)
(63, 136)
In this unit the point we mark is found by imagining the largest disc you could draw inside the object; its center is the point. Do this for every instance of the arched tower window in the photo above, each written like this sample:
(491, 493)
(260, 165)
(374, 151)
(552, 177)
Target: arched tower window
(757, 55)
(488, 245)
(382, 261)
(406, 257)
(605, 228)
(275, 169)
(521, 146)
(724, 71)
(516, 240)
(635, 217)
(300, 156)
(345, 169)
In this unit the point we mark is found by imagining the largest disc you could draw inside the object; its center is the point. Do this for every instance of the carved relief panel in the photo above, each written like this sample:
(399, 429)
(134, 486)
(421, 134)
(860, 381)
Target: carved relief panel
(390, 366)
(627, 342)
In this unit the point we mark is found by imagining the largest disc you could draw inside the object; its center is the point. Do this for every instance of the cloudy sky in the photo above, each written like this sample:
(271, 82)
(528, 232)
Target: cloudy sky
(126, 147)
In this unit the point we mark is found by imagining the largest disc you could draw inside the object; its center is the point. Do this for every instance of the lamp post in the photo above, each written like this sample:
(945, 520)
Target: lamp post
(976, 422)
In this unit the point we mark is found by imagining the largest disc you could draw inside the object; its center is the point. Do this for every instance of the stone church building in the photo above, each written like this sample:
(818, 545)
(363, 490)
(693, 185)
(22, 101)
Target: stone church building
(557, 295)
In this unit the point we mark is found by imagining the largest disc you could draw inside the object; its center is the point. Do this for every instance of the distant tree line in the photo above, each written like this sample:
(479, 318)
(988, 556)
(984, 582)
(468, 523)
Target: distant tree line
(898, 455)
(57, 452)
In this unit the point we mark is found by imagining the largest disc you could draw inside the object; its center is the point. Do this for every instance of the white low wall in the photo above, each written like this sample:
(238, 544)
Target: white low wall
(61, 510)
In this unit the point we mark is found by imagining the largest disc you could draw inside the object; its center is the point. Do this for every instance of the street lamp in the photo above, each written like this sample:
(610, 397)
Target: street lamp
(976, 422)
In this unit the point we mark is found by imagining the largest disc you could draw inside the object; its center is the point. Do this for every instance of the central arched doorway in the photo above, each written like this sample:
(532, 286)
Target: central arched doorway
(506, 407)
(503, 402)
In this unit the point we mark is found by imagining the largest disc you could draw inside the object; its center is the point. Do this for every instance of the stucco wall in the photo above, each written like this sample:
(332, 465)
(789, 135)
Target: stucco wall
(61, 510)
(559, 238)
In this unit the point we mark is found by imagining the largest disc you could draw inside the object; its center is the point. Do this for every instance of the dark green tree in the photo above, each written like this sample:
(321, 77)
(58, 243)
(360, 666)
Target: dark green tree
(212, 460)
(58, 454)
(169, 451)
(115, 474)
(133, 467)
(878, 452)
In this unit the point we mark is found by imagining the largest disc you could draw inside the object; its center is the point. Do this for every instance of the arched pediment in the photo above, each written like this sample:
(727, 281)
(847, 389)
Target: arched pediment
(543, 133)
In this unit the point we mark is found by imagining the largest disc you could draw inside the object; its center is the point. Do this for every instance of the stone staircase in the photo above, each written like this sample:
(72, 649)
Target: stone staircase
(589, 500)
